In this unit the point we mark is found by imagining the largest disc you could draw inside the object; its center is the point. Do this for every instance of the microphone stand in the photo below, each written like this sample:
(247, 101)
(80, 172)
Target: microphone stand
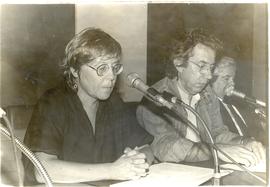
(175, 100)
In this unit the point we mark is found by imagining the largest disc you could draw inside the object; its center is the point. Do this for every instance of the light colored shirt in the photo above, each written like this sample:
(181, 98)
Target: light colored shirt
(190, 100)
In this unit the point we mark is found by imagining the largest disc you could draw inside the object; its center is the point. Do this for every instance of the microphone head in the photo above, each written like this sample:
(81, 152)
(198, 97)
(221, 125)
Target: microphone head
(131, 78)
(238, 94)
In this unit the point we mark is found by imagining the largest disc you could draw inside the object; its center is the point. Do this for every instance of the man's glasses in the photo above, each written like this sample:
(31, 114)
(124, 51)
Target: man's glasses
(203, 67)
(104, 68)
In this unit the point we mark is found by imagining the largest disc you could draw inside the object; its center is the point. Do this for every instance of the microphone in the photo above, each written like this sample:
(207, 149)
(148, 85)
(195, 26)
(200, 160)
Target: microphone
(248, 99)
(135, 81)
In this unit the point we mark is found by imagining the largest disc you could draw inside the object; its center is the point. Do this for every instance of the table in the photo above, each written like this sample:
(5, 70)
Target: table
(235, 178)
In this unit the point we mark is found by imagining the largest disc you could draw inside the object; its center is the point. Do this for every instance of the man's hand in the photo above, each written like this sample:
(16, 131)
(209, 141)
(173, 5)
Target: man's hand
(239, 153)
(131, 165)
(258, 149)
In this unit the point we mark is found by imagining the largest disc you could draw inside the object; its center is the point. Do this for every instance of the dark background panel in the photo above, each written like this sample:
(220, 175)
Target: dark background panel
(232, 23)
(237, 25)
(33, 38)
(164, 24)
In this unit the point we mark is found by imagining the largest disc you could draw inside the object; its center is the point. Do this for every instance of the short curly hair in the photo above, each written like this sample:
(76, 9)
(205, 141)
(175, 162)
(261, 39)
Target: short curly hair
(223, 63)
(181, 50)
(85, 47)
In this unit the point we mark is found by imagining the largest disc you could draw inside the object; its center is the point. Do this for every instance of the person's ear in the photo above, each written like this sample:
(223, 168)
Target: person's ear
(74, 72)
(178, 64)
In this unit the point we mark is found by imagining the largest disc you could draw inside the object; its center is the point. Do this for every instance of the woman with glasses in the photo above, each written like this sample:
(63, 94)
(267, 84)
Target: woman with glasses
(81, 130)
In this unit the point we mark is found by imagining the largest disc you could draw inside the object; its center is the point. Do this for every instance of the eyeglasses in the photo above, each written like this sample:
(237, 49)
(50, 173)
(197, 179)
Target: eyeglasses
(203, 67)
(104, 68)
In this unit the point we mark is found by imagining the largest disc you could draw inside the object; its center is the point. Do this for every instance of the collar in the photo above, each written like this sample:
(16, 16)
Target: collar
(187, 98)
(220, 99)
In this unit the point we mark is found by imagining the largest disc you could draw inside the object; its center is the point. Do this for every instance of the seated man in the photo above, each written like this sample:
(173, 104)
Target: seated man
(236, 114)
(188, 75)
(79, 130)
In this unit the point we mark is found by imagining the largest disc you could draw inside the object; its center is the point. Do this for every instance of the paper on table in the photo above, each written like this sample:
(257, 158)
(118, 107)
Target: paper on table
(261, 167)
(169, 174)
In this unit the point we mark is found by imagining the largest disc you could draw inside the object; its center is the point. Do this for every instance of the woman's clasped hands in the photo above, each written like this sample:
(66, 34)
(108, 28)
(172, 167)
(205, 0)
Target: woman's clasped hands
(131, 165)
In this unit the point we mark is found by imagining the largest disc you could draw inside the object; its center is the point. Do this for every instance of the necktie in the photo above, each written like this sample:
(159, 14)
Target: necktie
(232, 118)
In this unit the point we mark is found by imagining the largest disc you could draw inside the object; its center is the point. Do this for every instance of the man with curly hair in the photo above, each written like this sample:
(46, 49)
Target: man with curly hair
(188, 73)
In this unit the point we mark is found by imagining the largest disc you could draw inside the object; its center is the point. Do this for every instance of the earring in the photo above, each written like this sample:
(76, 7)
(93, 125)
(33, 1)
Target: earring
(75, 86)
